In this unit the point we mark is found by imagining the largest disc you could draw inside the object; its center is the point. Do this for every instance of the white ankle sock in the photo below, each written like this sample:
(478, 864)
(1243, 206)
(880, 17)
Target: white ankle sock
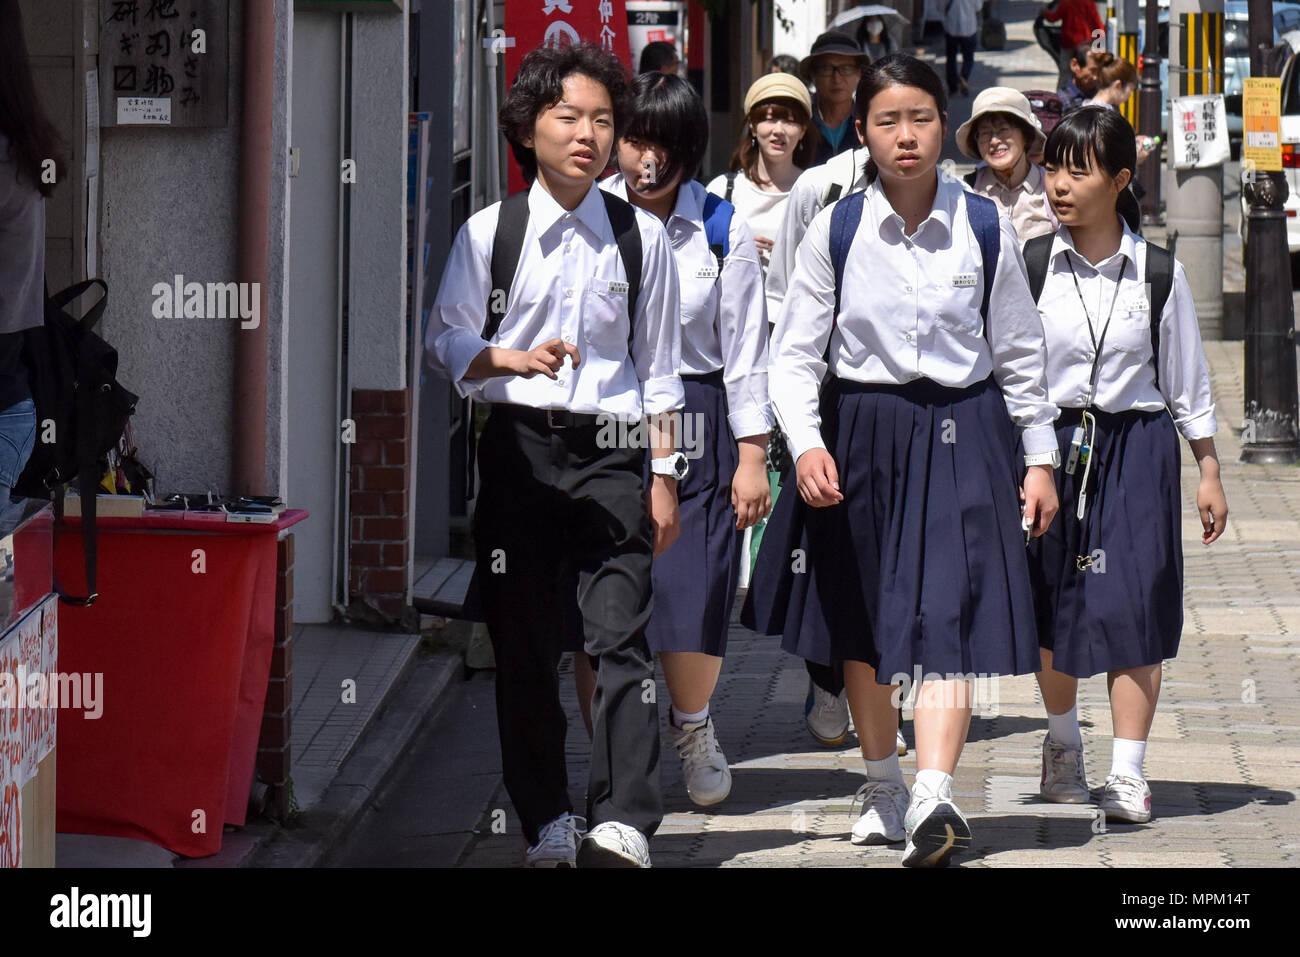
(681, 719)
(935, 781)
(1064, 729)
(1126, 757)
(886, 769)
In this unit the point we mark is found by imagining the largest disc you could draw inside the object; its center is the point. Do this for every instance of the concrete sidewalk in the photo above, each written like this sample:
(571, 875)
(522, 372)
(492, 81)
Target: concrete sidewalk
(1224, 755)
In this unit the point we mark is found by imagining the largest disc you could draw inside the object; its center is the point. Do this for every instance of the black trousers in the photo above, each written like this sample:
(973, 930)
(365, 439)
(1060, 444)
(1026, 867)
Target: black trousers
(966, 45)
(556, 512)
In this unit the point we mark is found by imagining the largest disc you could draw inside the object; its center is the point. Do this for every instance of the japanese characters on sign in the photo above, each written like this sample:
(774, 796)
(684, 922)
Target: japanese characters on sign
(1261, 103)
(1200, 131)
(163, 62)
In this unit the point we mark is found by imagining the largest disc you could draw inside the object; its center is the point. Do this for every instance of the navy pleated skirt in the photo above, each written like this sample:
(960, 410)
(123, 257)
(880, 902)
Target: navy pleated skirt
(923, 563)
(1126, 610)
(695, 579)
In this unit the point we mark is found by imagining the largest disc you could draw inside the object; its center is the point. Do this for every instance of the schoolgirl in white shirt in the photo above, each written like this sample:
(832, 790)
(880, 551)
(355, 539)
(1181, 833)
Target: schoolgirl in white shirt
(1109, 573)
(726, 417)
(905, 548)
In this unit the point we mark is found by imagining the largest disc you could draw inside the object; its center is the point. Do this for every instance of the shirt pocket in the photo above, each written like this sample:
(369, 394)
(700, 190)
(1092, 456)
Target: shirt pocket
(604, 315)
(1130, 330)
(956, 303)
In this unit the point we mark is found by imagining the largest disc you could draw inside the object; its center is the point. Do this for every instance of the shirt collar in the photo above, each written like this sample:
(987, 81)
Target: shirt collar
(946, 199)
(545, 211)
(1127, 246)
(986, 181)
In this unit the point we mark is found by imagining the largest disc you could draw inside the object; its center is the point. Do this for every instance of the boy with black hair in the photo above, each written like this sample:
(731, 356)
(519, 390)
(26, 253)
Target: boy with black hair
(560, 307)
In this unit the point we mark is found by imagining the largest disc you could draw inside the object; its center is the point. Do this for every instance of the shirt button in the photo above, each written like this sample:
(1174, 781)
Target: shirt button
(908, 288)
(910, 337)
(568, 294)
(567, 247)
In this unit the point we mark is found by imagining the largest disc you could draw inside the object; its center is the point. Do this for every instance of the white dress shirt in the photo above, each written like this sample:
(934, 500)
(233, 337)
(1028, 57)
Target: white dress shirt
(804, 203)
(570, 285)
(910, 308)
(723, 318)
(1126, 378)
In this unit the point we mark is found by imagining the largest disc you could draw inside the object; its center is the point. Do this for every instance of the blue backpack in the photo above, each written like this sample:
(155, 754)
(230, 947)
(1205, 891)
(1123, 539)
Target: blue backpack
(717, 226)
(980, 210)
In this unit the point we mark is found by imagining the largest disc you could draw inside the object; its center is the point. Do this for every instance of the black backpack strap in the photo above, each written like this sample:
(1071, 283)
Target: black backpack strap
(833, 193)
(1160, 280)
(628, 235)
(1037, 253)
(507, 247)
(969, 178)
(731, 185)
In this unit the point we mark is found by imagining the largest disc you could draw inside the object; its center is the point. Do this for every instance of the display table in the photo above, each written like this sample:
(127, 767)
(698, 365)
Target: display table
(182, 634)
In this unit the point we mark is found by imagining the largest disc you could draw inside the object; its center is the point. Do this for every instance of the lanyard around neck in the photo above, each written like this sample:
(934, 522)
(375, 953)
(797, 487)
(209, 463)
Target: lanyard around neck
(1096, 343)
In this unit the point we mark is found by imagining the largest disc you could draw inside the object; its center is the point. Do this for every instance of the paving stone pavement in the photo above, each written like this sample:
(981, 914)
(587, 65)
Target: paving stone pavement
(1224, 755)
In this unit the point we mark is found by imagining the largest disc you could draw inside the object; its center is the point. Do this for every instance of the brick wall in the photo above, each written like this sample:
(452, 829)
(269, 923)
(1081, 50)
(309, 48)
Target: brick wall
(381, 464)
(273, 744)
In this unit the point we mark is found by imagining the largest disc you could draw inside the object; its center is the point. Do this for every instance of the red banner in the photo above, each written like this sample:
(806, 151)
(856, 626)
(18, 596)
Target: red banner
(534, 23)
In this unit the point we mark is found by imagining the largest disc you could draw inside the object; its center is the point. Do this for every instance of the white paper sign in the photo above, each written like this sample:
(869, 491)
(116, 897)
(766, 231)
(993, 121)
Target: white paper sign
(1199, 131)
(144, 111)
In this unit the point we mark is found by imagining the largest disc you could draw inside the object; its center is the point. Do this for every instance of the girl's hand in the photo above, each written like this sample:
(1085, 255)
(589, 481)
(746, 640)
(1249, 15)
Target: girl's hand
(764, 244)
(1213, 506)
(819, 480)
(661, 506)
(751, 495)
(1039, 495)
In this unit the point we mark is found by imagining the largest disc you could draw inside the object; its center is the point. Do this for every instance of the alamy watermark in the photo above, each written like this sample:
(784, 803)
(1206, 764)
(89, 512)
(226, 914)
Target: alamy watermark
(619, 432)
(214, 300)
(979, 692)
(35, 689)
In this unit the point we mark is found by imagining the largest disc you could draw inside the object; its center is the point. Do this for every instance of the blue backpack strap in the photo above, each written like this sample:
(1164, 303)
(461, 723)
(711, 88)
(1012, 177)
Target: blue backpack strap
(717, 226)
(983, 215)
(845, 217)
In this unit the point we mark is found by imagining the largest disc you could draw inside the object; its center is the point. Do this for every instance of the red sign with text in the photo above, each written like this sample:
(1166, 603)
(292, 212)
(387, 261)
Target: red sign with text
(534, 23)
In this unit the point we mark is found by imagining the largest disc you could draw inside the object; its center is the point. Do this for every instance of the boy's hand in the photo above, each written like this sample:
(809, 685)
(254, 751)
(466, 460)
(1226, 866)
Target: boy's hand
(547, 359)
(661, 506)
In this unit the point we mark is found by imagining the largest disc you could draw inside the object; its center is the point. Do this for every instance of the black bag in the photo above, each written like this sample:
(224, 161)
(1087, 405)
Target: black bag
(81, 411)
(993, 34)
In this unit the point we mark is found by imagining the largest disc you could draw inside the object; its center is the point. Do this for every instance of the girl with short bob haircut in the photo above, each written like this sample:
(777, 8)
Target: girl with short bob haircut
(724, 375)
(1124, 363)
(905, 548)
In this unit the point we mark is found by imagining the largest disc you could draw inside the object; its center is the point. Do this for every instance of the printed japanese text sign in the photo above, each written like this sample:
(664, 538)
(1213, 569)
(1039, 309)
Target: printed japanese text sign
(1199, 131)
(1261, 104)
(163, 62)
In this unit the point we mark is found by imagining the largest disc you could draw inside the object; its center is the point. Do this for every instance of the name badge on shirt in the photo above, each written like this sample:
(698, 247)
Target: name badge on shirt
(1139, 305)
(707, 272)
(617, 288)
(965, 278)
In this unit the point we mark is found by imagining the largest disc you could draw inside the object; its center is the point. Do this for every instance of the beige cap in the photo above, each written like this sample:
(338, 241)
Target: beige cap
(1000, 99)
(773, 86)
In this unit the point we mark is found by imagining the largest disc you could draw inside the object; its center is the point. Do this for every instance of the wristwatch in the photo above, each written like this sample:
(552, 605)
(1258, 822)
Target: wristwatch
(674, 465)
(1052, 458)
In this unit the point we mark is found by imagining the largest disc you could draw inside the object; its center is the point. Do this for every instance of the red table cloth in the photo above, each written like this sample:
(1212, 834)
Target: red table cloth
(182, 632)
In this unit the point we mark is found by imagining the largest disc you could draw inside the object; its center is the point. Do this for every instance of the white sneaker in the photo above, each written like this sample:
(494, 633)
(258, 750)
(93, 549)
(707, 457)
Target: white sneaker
(883, 805)
(614, 845)
(902, 743)
(1126, 799)
(1063, 780)
(704, 766)
(826, 715)
(557, 845)
(936, 829)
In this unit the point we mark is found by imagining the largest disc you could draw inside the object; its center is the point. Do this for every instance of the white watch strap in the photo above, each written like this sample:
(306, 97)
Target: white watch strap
(1052, 458)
